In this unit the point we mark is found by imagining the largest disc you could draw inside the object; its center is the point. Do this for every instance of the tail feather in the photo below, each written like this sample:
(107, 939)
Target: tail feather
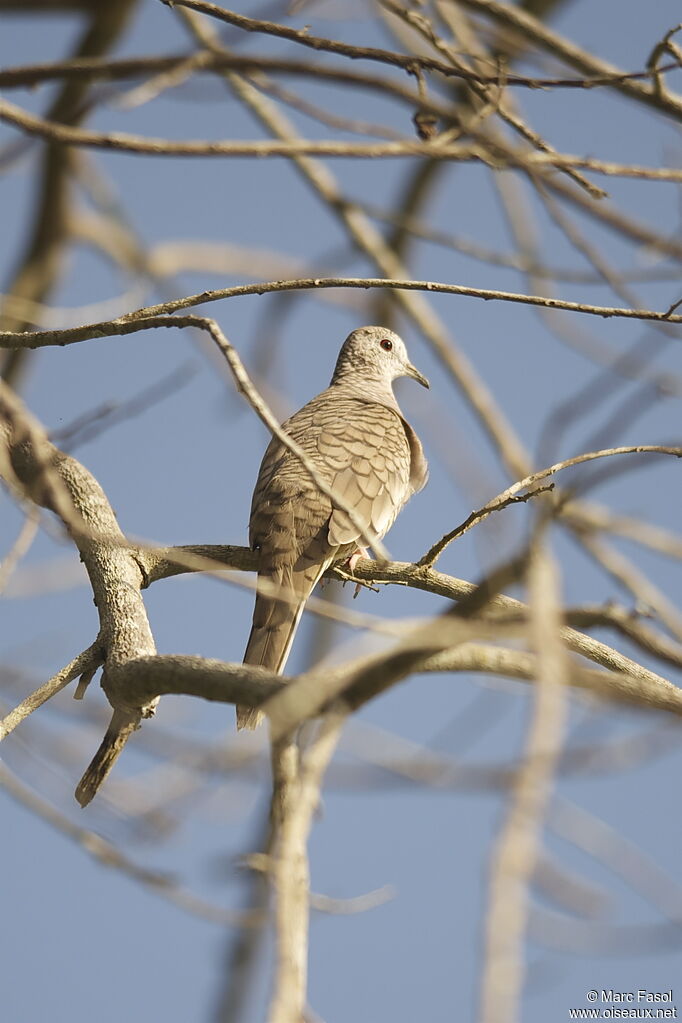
(275, 620)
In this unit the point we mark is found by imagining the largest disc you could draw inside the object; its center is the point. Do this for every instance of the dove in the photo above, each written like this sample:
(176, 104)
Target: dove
(362, 448)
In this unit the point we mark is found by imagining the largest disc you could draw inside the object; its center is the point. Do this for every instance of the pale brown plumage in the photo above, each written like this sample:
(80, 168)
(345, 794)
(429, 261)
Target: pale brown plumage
(360, 445)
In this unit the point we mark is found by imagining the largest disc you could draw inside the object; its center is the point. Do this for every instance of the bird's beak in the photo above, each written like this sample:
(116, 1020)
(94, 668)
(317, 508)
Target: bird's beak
(412, 371)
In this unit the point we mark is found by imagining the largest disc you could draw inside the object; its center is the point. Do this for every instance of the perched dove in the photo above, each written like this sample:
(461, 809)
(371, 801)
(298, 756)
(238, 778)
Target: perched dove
(355, 435)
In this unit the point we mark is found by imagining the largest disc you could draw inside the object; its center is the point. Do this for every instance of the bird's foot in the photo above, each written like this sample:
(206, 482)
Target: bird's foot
(356, 556)
(350, 564)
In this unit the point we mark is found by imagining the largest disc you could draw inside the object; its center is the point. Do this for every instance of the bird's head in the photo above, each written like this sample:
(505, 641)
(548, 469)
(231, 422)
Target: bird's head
(376, 353)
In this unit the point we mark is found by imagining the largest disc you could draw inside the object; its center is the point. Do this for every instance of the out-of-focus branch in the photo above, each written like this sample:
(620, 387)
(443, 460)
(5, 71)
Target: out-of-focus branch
(622, 856)
(368, 240)
(297, 783)
(222, 61)
(434, 149)
(607, 75)
(108, 855)
(39, 266)
(19, 548)
(499, 104)
(657, 538)
(517, 848)
(322, 115)
(613, 218)
(420, 229)
(643, 589)
(535, 31)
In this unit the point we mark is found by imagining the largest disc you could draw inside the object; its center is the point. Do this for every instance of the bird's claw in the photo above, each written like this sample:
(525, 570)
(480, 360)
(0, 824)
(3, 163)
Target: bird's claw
(352, 561)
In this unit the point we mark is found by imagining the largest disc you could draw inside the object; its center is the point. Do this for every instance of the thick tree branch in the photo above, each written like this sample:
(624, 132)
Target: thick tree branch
(59, 482)
(40, 264)
(169, 561)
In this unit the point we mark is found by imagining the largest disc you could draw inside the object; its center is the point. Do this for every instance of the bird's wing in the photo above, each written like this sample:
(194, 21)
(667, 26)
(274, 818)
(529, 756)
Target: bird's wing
(372, 475)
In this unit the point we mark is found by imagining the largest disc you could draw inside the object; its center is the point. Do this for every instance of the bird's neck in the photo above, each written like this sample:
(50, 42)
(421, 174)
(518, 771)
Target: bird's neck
(376, 389)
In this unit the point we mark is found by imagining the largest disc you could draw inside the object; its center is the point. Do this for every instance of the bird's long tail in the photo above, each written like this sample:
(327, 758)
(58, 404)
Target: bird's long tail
(275, 620)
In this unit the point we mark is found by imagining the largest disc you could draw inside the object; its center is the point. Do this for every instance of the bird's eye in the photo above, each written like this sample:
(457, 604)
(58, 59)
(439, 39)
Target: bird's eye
(386, 344)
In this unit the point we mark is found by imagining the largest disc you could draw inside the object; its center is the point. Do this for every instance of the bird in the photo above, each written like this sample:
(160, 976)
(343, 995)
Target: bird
(363, 448)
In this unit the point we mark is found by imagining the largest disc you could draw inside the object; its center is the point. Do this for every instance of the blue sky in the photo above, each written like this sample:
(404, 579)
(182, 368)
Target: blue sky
(83, 942)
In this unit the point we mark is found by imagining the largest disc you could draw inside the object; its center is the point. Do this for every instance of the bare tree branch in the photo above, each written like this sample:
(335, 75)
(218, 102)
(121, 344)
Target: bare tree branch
(156, 316)
(86, 662)
(509, 495)
(516, 852)
(607, 75)
(297, 782)
(536, 32)
(434, 149)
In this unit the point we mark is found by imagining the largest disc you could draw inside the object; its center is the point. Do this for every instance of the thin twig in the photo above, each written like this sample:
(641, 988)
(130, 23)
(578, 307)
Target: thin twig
(87, 661)
(611, 77)
(108, 855)
(115, 69)
(151, 316)
(535, 31)
(507, 496)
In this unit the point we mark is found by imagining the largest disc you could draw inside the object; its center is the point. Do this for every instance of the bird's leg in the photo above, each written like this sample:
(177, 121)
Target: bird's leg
(357, 555)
